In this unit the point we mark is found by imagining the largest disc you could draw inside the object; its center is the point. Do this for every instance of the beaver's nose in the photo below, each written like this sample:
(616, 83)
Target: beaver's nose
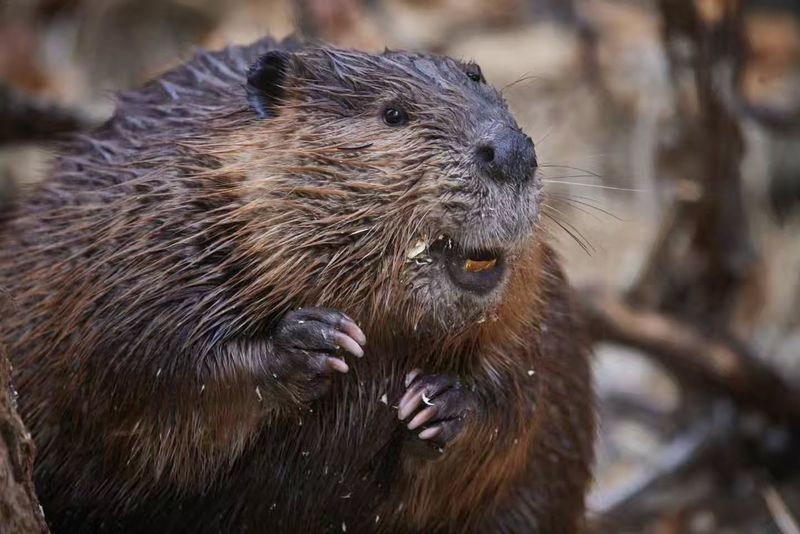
(506, 154)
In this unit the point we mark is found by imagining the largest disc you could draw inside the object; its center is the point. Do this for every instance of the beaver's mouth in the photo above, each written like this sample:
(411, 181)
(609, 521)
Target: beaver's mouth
(476, 270)
(479, 271)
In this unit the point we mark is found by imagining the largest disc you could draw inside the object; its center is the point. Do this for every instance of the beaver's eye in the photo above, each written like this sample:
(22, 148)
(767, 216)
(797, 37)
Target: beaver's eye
(474, 73)
(394, 116)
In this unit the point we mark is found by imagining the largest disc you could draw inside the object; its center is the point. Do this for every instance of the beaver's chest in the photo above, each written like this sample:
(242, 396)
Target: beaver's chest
(332, 467)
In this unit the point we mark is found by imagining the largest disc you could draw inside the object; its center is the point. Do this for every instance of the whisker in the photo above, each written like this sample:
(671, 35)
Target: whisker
(592, 202)
(578, 208)
(571, 226)
(596, 186)
(570, 167)
(571, 176)
(524, 78)
(580, 197)
(571, 231)
(572, 201)
(544, 137)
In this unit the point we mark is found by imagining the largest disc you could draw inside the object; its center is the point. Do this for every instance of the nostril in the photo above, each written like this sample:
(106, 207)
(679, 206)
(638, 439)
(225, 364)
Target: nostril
(485, 153)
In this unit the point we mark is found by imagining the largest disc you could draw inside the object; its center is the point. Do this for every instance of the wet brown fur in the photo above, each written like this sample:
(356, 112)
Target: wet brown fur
(146, 271)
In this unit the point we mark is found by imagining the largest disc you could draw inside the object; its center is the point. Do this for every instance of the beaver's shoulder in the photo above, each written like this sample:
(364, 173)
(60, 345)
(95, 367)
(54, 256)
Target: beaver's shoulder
(150, 123)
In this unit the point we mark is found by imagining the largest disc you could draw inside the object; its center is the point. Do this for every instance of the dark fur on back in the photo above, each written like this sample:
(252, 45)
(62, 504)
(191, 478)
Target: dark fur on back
(165, 246)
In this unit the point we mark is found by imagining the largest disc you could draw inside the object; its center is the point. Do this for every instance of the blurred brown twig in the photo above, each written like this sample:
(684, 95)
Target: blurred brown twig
(27, 118)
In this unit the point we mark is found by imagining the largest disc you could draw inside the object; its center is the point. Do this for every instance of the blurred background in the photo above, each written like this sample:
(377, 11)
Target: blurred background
(669, 137)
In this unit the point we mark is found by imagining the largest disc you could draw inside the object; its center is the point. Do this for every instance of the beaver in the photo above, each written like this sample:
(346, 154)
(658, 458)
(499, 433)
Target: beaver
(294, 288)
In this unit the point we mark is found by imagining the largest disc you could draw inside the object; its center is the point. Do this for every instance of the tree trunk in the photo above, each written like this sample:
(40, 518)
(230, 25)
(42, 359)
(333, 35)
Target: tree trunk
(20, 512)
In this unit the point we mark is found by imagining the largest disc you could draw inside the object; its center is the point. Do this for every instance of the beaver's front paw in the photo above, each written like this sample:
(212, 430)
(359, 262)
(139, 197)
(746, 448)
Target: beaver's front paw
(304, 348)
(436, 408)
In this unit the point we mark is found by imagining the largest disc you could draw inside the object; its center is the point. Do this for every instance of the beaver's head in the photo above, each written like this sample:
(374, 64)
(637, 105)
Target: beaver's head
(396, 186)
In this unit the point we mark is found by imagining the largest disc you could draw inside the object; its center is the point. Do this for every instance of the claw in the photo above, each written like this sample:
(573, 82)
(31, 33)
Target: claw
(338, 365)
(423, 417)
(352, 329)
(412, 375)
(410, 402)
(347, 343)
(430, 433)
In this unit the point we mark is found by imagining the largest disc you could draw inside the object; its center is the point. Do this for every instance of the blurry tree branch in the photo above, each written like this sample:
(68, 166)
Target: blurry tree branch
(699, 291)
(690, 449)
(704, 265)
(694, 358)
(26, 118)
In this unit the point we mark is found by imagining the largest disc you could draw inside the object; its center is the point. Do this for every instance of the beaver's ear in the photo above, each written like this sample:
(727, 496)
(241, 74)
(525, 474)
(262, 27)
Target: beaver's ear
(266, 82)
